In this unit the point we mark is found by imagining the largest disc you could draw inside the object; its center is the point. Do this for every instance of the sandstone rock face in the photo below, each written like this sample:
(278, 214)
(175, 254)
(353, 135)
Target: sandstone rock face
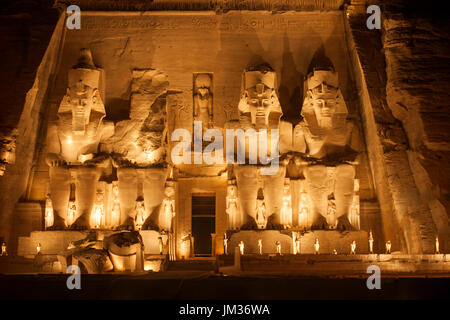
(417, 92)
(31, 38)
(400, 100)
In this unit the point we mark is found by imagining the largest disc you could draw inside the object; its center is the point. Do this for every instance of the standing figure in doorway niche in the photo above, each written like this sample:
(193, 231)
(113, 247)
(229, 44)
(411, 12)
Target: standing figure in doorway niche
(234, 221)
(330, 144)
(73, 143)
(203, 100)
(167, 211)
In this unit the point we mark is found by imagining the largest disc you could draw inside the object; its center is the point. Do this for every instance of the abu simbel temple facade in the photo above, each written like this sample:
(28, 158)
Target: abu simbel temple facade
(245, 131)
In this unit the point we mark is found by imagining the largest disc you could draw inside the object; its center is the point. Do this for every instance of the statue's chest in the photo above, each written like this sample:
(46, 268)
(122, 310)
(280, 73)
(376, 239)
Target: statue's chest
(318, 140)
(65, 127)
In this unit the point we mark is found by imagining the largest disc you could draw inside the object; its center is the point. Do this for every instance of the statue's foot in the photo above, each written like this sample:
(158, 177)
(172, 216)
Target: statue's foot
(127, 225)
(82, 223)
(78, 227)
(344, 224)
(320, 223)
(58, 224)
(56, 227)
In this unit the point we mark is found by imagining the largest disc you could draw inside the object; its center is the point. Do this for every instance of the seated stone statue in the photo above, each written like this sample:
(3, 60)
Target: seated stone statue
(328, 143)
(259, 109)
(73, 143)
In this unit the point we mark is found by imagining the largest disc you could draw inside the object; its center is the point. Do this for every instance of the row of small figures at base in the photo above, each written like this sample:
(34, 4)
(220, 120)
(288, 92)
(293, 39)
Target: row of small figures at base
(296, 247)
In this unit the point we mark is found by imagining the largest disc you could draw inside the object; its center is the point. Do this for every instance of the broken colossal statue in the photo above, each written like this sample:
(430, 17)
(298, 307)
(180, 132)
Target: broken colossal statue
(326, 145)
(73, 143)
(138, 149)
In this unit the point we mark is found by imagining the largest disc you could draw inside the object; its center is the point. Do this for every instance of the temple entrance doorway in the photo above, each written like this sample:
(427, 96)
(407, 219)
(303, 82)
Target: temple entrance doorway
(203, 222)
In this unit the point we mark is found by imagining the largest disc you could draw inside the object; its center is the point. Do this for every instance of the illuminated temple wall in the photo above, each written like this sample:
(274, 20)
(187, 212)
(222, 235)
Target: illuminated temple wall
(181, 44)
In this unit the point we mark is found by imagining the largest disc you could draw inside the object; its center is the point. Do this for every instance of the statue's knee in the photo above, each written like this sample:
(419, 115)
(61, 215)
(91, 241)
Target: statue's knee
(345, 171)
(316, 173)
(126, 175)
(90, 175)
(59, 174)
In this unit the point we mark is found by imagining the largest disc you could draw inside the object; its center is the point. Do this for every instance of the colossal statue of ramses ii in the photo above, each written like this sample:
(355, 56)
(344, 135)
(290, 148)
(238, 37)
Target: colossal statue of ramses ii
(73, 143)
(328, 143)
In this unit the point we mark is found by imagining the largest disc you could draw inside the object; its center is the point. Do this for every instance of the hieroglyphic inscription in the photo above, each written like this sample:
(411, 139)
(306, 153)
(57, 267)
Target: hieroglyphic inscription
(262, 23)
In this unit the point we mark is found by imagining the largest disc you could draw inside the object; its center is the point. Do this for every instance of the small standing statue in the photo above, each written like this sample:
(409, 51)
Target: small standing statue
(241, 247)
(99, 210)
(38, 248)
(286, 209)
(225, 244)
(388, 247)
(297, 245)
(49, 219)
(71, 213)
(260, 246)
(140, 213)
(160, 245)
(331, 214)
(115, 212)
(316, 246)
(278, 244)
(370, 242)
(353, 247)
(4, 252)
(167, 210)
(437, 245)
(232, 208)
(303, 211)
(261, 220)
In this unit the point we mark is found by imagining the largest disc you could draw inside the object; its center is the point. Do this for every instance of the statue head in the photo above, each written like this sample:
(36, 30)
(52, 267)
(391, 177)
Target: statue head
(324, 102)
(139, 205)
(259, 93)
(83, 95)
(169, 192)
(203, 84)
(231, 188)
(99, 196)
